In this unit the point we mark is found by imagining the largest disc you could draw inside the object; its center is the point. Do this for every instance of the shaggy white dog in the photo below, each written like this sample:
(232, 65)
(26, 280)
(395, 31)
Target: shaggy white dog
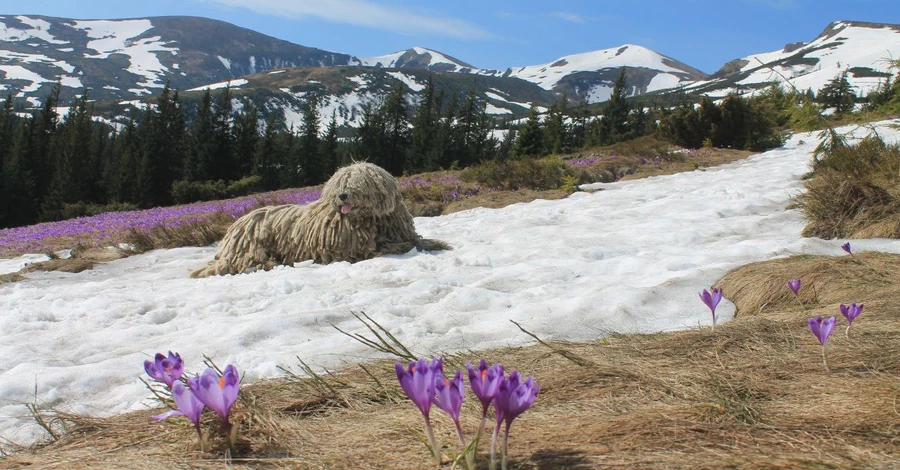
(359, 215)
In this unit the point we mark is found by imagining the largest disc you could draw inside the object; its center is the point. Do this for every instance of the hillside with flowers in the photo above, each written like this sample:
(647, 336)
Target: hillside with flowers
(676, 320)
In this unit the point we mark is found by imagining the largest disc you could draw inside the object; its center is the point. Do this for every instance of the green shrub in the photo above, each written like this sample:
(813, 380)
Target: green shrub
(80, 209)
(184, 192)
(526, 173)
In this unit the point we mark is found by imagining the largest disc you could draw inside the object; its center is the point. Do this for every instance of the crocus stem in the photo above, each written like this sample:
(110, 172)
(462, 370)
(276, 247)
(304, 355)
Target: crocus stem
(431, 440)
(478, 436)
(470, 456)
(802, 307)
(494, 447)
(847, 332)
(825, 360)
(200, 436)
(229, 436)
(505, 460)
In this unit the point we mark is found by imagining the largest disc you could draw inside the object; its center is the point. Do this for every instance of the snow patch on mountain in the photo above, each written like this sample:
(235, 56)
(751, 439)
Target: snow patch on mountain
(38, 29)
(629, 55)
(239, 82)
(418, 57)
(863, 50)
(408, 81)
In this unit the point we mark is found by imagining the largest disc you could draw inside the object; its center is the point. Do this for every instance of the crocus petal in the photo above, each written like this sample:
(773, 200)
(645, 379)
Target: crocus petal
(821, 327)
(515, 397)
(417, 381)
(187, 402)
(449, 394)
(794, 285)
(485, 381)
(846, 247)
(167, 414)
(211, 394)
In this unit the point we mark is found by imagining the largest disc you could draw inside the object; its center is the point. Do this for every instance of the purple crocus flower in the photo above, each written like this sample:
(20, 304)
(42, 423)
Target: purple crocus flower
(218, 393)
(712, 298)
(449, 394)
(485, 382)
(188, 406)
(850, 312)
(794, 285)
(846, 247)
(822, 328)
(165, 369)
(418, 381)
(513, 398)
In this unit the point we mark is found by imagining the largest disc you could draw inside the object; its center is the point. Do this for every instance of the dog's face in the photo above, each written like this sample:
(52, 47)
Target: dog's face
(362, 190)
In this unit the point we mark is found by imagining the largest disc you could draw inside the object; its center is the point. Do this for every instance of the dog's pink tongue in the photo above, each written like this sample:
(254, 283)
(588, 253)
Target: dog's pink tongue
(345, 209)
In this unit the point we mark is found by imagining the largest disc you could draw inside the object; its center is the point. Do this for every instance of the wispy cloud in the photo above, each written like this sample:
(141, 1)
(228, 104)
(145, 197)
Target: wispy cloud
(365, 13)
(570, 17)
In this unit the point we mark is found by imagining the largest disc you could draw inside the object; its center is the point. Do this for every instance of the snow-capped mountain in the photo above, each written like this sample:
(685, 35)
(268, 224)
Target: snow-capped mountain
(123, 59)
(590, 76)
(863, 50)
(419, 58)
(345, 91)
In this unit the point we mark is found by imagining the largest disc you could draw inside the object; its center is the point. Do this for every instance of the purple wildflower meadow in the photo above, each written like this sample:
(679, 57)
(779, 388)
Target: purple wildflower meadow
(110, 228)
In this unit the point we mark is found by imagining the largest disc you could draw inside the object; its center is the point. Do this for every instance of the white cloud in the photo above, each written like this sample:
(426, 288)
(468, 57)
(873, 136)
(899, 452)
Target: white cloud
(570, 17)
(364, 13)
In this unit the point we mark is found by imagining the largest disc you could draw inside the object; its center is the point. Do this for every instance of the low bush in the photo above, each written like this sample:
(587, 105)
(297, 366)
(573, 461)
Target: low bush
(853, 191)
(184, 192)
(539, 174)
(80, 209)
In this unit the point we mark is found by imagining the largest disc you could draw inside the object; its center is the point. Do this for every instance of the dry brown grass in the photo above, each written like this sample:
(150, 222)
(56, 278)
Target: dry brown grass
(751, 394)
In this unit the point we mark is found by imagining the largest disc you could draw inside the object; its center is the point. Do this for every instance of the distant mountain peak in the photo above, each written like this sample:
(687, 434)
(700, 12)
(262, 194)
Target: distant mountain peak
(861, 49)
(420, 58)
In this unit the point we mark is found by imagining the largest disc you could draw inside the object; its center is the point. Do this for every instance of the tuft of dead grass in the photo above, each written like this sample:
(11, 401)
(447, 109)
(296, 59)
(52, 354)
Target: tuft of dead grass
(751, 394)
(853, 191)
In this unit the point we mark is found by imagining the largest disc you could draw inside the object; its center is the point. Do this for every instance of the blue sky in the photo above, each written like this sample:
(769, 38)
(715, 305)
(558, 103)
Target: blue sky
(497, 34)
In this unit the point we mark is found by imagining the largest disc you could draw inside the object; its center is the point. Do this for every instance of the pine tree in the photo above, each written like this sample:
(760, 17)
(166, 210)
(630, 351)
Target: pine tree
(40, 160)
(162, 150)
(74, 171)
(368, 144)
(396, 127)
(467, 121)
(838, 94)
(424, 130)
(245, 135)
(328, 149)
(615, 112)
(200, 159)
(447, 141)
(504, 151)
(529, 142)
(120, 176)
(268, 157)
(224, 162)
(313, 169)
(555, 128)
(18, 199)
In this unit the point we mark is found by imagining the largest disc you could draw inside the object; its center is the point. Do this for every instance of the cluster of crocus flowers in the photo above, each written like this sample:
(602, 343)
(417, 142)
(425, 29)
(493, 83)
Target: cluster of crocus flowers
(425, 384)
(711, 298)
(823, 327)
(209, 389)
